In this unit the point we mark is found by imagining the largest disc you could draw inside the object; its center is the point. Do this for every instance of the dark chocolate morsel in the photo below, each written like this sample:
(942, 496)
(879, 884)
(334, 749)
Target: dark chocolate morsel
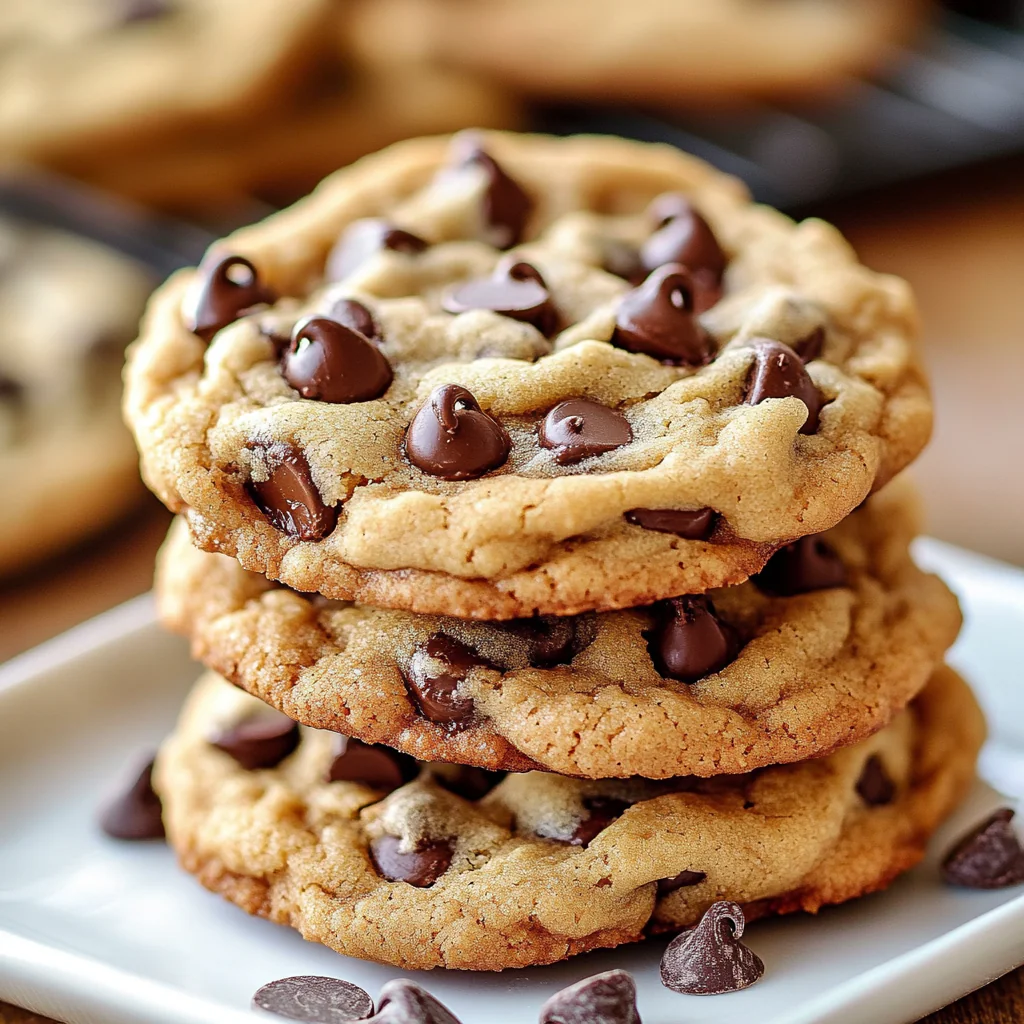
(133, 11)
(603, 811)
(289, 498)
(551, 639)
(681, 881)
(988, 857)
(421, 867)
(696, 525)
(352, 313)
(453, 438)
(466, 781)
(262, 740)
(778, 372)
(136, 813)
(798, 568)
(579, 428)
(361, 239)
(710, 959)
(228, 287)
(659, 319)
(874, 786)
(434, 673)
(404, 1002)
(372, 764)
(608, 998)
(330, 362)
(690, 641)
(314, 999)
(517, 291)
(810, 347)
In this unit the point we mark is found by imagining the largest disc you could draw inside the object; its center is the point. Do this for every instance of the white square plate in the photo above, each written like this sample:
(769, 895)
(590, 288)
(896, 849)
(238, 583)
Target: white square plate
(95, 930)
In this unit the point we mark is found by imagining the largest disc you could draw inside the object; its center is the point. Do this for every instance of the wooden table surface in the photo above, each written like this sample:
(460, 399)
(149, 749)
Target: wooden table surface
(960, 241)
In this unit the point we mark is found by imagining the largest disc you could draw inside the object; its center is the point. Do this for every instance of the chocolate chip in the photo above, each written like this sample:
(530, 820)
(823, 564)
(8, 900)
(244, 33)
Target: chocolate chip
(354, 314)
(798, 568)
(362, 238)
(777, 372)
(330, 362)
(709, 959)
(810, 347)
(603, 811)
(465, 781)
(579, 428)
(229, 287)
(421, 866)
(133, 11)
(505, 206)
(314, 999)
(608, 998)
(263, 740)
(623, 261)
(289, 498)
(11, 391)
(372, 764)
(136, 814)
(659, 319)
(404, 1002)
(551, 640)
(691, 641)
(517, 291)
(988, 857)
(696, 525)
(874, 785)
(435, 671)
(681, 881)
(453, 438)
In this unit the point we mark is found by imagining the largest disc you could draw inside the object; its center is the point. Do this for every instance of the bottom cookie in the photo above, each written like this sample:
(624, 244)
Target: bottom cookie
(420, 866)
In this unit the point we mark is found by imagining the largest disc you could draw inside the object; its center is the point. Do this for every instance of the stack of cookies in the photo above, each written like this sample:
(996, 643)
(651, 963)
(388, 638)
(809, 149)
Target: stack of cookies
(527, 495)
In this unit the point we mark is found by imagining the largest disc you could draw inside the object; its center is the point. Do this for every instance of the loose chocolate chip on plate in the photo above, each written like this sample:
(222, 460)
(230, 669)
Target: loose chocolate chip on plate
(136, 813)
(404, 1002)
(579, 428)
(228, 287)
(288, 497)
(710, 958)
(468, 782)
(330, 362)
(874, 785)
(435, 671)
(659, 319)
(608, 998)
(690, 641)
(801, 567)
(778, 372)
(695, 525)
(603, 811)
(988, 857)
(681, 881)
(421, 866)
(372, 764)
(453, 438)
(362, 238)
(352, 313)
(263, 740)
(517, 291)
(314, 999)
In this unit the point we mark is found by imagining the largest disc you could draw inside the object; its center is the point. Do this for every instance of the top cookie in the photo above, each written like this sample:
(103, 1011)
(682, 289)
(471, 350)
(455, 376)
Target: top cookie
(659, 385)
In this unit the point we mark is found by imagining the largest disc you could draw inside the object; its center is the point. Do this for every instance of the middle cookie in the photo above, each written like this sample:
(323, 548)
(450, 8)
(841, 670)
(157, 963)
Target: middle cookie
(821, 649)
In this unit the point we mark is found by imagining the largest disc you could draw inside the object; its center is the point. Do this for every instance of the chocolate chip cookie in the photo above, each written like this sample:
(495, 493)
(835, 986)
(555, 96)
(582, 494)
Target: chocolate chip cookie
(506, 375)
(420, 866)
(818, 650)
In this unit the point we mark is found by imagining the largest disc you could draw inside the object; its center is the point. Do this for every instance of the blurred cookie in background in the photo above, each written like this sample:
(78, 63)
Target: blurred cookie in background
(68, 467)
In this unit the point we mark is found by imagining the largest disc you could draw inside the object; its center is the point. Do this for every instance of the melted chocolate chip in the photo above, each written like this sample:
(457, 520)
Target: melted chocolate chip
(874, 785)
(453, 438)
(289, 498)
(696, 525)
(710, 959)
(579, 428)
(681, 881)
(691, 641)
(371, 764)
(263, 740)
(435, 671)
(465, 781)
(551, 640)
(603, 811)
(608, 998)
(988, 857)
(659, 319)
(517, 291)
(229, 288)
(314, 999)
(404, 1002)
(330, 362)
(136, 814)
(421, 867)
(354, 314)
(778, 372)
(798, 568)
(362, 238)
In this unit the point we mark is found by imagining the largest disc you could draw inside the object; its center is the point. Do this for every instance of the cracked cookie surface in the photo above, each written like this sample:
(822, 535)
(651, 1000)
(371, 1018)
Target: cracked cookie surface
(833, 638)
(533, 868)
